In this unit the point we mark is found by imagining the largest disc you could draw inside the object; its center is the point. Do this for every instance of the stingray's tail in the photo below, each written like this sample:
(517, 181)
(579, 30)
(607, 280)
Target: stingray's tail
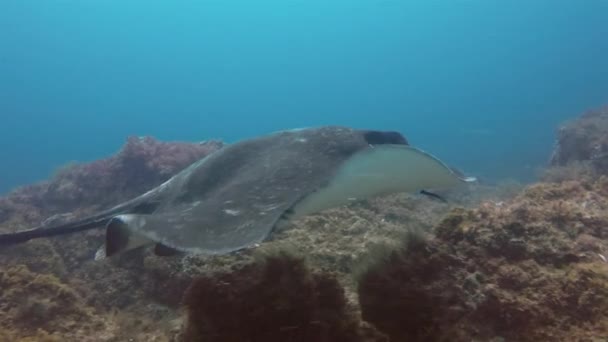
(43, 231)
(142, 204)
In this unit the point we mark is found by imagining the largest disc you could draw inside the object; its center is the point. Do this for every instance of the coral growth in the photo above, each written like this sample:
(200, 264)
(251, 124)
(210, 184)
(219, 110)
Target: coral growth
(278, 299)
(526, 270)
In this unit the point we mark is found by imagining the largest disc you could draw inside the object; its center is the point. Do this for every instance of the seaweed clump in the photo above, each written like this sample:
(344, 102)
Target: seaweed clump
(277, 299)
(530, 269)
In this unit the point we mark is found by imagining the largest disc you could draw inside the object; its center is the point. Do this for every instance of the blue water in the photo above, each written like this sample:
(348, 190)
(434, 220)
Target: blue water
(481, 84)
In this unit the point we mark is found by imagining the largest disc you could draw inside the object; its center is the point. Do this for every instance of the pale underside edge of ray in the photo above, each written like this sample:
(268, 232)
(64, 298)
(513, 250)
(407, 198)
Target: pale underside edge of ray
(381, 170)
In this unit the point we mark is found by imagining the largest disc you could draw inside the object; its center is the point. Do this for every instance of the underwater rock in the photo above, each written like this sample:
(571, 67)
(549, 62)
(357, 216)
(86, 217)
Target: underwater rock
(412, 295)
(529, 269)
(33, 301)
(584, 140)
(277, 299)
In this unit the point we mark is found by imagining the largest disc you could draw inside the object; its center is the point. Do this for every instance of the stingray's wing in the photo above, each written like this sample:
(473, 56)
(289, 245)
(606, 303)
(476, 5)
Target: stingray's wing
(209, 228)
(245, 208)
(234, 198)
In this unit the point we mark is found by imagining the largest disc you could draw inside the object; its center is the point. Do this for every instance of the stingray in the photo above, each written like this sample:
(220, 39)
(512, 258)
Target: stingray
(234, 198)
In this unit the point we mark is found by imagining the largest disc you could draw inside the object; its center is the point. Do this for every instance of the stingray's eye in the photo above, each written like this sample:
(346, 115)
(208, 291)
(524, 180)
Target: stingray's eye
(384, 137)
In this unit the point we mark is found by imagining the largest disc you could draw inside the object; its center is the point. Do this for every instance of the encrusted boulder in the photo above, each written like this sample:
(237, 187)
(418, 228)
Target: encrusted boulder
(530, 269)
(585, 140)
(275, 299)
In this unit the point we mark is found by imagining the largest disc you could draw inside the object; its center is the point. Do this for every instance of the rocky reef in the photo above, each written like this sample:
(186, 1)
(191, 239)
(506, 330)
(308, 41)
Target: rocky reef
(583, 143)
(530, 269)
(277, 298)
(40, 301)
(508, 263)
